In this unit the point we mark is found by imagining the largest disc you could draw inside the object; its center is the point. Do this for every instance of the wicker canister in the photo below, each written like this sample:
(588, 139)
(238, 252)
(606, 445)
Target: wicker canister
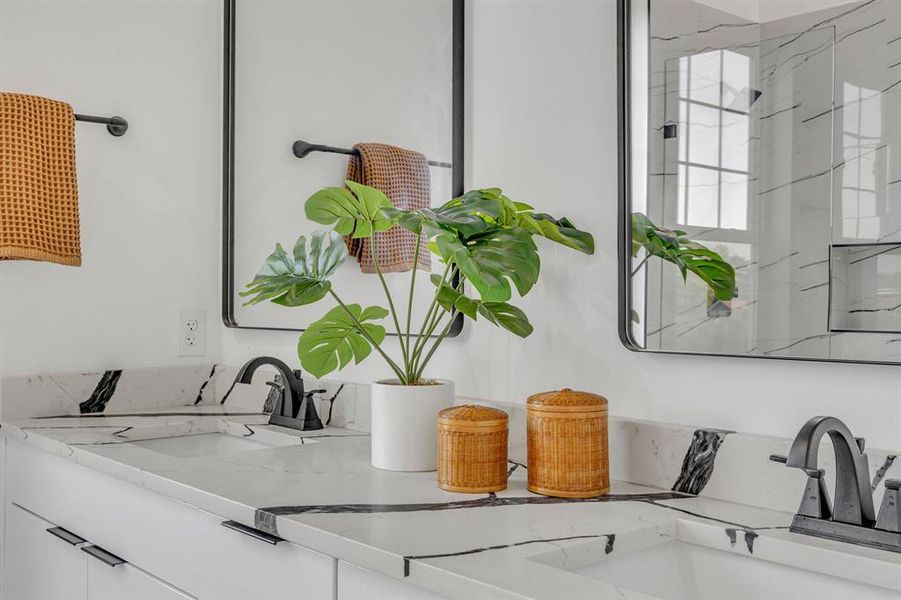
(567, 444)
(472, 449)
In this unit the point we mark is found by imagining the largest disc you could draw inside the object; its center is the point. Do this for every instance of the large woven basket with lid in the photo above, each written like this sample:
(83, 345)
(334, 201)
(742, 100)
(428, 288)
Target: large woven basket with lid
(567, 444)
(472, 449)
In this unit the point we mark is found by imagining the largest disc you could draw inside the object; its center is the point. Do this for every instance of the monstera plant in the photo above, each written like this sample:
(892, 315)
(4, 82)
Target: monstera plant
(482, 237)
(674, 246)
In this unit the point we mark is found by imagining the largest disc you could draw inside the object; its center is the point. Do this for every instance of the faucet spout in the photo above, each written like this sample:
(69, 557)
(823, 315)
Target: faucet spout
(853, 495)
(294, 409)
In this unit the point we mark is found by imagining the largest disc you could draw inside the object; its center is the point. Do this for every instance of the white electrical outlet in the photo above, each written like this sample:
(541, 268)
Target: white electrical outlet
(192, 332)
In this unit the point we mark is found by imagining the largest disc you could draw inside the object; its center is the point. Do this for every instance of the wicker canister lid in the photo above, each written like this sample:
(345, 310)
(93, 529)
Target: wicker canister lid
(473, 415)
(567, 400)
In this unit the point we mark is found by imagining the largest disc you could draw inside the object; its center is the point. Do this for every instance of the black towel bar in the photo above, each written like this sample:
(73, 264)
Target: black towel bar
(117, 126)
(302, 148)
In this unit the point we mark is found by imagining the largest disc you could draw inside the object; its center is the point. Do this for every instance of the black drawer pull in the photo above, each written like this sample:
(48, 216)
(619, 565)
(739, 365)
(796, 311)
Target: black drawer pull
(103, 556)
(254, 533)
(66, 535)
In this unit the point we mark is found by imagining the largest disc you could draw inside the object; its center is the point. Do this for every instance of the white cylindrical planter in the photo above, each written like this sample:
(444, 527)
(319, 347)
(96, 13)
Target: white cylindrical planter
(405, 424)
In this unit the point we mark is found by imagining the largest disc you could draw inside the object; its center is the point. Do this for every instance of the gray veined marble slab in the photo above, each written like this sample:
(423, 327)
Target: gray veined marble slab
(113, 390)
(129, 390)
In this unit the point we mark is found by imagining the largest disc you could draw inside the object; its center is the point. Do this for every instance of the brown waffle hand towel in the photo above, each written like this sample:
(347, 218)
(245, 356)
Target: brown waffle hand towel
(403, 176)
(38, 189)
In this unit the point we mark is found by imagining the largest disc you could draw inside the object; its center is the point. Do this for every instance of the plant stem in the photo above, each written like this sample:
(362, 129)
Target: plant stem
(428, 314)
(641, 264)
(365, 334)
(412, 287)
(429, 330)
(378, 270)
(437, 343)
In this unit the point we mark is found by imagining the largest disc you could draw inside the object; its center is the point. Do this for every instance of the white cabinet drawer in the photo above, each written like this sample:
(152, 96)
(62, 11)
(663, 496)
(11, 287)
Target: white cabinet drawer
(355, 583)
(127, 581)
(38, 565)
(178, 543)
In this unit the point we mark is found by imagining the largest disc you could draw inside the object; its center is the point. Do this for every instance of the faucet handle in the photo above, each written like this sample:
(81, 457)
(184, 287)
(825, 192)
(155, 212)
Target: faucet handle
(889, 518)
(815, 502)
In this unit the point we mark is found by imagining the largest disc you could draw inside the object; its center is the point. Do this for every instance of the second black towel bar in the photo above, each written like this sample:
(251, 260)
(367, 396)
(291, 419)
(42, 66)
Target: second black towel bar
(302, 148)
(117, 126)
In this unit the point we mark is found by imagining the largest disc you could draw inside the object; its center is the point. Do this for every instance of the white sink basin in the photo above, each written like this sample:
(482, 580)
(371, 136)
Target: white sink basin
(200, 444)
(229, 439)
(687, 560)
(678, 570)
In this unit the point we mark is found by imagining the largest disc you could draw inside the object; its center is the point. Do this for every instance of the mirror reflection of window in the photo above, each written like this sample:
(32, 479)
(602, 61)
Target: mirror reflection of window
(715, 98)
(862, 136)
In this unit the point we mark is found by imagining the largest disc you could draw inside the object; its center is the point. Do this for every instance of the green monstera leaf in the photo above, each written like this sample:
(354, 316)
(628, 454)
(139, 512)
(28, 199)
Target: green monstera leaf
(337, 338)
(561, 231)
(501, 314)
(489, 239)
(492, 260)
(466, 216)
(479, 211)
(356, 211)
(673, 245)
(301, 278)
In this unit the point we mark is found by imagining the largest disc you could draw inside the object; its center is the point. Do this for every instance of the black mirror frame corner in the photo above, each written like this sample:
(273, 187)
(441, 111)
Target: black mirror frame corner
(228, 154)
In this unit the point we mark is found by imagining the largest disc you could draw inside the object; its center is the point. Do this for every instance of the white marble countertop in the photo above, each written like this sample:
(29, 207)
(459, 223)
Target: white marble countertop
(322, 493)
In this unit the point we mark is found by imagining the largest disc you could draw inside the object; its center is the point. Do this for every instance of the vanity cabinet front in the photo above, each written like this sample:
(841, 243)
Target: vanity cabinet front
(73, 533)
(107, 582)
(37, 564)
(171, 550)
(46, 562)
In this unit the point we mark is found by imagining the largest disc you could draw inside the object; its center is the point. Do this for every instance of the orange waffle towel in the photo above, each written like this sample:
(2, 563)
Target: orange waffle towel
(38, 189)
(403, 176)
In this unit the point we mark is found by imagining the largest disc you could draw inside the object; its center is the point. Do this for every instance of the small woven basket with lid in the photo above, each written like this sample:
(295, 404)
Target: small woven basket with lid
(472, 449)
(567, 444)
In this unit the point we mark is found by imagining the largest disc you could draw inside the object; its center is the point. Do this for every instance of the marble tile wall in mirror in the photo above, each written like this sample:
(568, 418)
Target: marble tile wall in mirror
(775, 140)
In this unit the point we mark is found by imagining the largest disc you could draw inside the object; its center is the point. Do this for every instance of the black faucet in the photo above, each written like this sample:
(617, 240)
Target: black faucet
(294, 409)
(853, 519)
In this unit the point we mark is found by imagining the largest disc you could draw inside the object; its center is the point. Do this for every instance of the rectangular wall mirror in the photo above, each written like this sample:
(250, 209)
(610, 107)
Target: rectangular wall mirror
(306, 80)
(769, 134)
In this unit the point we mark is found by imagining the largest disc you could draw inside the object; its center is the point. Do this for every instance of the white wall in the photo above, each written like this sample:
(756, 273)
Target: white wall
(149, 200)
(541, 122)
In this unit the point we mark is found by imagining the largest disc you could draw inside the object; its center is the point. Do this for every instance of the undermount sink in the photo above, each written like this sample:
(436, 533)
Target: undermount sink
(692, 561)
(200, 444)
(214, 443)
(685, 571)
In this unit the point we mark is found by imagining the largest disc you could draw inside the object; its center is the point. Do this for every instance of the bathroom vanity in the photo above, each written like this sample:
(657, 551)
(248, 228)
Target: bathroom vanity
(212, 502)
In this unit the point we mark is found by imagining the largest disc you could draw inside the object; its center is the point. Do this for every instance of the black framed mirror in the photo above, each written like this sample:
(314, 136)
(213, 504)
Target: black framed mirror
(766, 135)
(294, 105)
